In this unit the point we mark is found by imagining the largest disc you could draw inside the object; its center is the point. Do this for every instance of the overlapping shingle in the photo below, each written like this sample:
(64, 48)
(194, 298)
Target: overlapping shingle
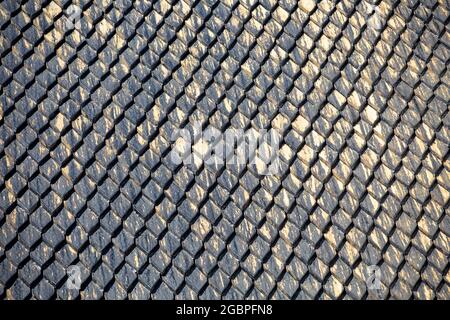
(359, 92)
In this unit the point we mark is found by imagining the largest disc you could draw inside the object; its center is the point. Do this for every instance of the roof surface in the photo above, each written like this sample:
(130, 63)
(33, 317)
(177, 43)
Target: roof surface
(92, 91)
